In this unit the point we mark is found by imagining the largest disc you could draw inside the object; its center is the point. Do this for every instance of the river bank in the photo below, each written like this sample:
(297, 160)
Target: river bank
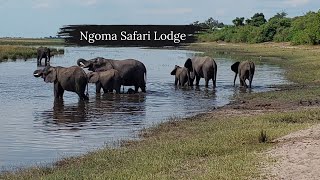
(220, 144)
(22, 48)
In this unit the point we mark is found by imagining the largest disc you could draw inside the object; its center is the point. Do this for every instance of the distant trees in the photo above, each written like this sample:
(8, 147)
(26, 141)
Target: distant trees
(256, 20)
(279, 28)
(210, 23)
(238, 21)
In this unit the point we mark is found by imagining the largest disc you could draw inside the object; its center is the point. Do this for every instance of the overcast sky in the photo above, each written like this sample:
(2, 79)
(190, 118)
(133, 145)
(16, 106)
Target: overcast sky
(39, 18)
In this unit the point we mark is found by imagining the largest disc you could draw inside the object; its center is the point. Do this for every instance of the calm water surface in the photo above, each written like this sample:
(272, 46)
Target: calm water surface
(34, 129)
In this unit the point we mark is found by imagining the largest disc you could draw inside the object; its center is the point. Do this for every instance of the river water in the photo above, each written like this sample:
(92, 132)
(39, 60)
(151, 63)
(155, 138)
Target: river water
(34, 130)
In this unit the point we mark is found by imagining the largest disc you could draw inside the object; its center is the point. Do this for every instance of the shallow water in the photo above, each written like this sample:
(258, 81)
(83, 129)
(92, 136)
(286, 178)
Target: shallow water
(34, 129)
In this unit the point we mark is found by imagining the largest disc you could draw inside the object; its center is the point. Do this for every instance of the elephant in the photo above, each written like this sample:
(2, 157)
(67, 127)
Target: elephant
(182, 76)
(43, 52)
(245, 70)
(107, 80)
(132, 72)
(202, 67)
(72, 79)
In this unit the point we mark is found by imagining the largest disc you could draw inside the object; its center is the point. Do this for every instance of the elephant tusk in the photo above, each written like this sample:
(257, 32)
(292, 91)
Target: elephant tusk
(81, 64)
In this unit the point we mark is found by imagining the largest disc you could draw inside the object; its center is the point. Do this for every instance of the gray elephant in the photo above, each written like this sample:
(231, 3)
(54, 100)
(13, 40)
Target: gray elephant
(182, 76)
(245, 70)
(107, 80)
(43, 52)
(132, 72)
(202, 67)
(72, 79)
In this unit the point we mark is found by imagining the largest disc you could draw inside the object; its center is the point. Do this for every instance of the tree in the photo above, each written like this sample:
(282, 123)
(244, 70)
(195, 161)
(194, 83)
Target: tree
(279, 15)
(210, 23)
(238, 21)
(257, 19)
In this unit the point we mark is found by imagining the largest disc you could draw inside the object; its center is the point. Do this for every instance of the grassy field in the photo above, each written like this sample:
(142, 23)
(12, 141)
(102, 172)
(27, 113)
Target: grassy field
(223, 144)
(14, 52)
(31, 42)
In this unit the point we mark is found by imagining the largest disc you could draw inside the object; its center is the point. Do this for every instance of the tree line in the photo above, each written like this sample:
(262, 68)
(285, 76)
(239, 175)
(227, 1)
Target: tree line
(257, 29)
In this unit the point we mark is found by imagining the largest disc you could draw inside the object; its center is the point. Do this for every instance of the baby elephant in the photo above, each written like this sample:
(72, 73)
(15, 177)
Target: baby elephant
(245, 70)
(107, 80)
(181, 75)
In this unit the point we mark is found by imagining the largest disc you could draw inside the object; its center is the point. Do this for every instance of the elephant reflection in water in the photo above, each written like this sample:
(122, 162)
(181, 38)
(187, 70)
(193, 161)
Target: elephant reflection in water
(104, 110)
(123, 103)
(69, 114)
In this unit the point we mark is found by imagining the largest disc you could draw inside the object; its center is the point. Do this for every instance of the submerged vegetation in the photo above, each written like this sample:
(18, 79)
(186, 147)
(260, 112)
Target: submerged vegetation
(279, 28)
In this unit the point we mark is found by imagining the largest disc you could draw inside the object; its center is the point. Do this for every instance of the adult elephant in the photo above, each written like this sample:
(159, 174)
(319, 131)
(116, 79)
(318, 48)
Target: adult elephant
(132, 72)
(246, 71)
(72, 79)
(202, 67)
(43, 52)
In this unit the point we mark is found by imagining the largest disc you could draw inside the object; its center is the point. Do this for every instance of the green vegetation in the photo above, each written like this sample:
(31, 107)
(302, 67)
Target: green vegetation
(22, 52)
(279, 28)
(31, 42)
(23, 48)
(212, 147)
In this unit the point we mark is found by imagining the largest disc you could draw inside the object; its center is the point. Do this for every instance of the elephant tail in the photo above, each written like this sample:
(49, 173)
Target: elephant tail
(145, 77)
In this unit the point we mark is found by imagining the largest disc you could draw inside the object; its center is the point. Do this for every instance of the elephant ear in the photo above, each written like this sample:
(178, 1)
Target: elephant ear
(93, 77)
(188, 64)
(51, 75)
(173, 72)
(235, 66)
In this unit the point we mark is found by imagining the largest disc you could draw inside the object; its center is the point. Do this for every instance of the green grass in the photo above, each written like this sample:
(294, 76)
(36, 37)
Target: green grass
(209, 147)
(22, 52)
(31, 42)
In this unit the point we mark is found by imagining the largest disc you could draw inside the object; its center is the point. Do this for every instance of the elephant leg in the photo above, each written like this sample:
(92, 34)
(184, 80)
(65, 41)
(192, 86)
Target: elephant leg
(136, 88)
(250, 80)
(61, 93)
(197, 80)
(176, 81)
(45, 61)
(98, 87)
(244, 83)
(179, 81)
(241, 82)
(207, 82)
(104, 90)
(81, 94)
(58, 91)
(143, 89)
(118, 90)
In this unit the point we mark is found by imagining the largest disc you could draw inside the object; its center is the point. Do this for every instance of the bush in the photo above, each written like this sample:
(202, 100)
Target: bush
(298, 30)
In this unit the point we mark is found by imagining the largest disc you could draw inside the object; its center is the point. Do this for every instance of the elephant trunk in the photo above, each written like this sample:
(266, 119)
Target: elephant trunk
(235, 77)
(37, 73)
(82, 63)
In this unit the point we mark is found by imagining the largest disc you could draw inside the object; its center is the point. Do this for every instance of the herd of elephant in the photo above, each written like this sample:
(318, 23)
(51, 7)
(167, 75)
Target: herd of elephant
(110, 75)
